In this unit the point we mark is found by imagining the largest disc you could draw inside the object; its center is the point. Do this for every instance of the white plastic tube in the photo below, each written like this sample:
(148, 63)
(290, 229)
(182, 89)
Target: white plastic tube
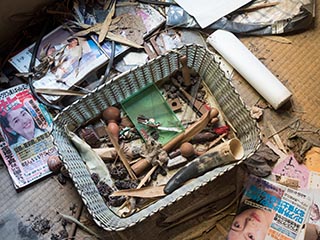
(249, 67)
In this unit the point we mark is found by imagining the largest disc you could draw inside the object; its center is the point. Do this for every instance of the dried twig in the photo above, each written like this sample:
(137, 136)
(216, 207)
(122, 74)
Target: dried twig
(218, 139)
(59, 92)
(77, 216)
(285, 127)
(76, 221)
(106, 24)
(121, 154)
(255, 7)
(277, 138)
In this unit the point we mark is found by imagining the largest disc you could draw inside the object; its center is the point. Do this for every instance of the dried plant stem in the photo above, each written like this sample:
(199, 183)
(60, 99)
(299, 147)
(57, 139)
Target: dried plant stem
(74, 225)
(76, 221)
(106, 24)
(218, 139)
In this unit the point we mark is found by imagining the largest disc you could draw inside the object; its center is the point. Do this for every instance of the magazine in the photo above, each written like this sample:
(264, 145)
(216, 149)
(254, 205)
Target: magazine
(268, 210)
(312, 228)
(25, 140)
(71, 59)
(290, 168)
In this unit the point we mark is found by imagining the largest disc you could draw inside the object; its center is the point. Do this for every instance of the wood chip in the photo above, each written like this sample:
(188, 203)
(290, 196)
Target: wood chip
(279, 39)
(276, 150)
(106, 24)
(146, 192)
(277, 138)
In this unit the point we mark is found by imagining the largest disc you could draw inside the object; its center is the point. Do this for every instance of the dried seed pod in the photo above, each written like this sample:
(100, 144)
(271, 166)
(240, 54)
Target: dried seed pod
(54, 163)
(95, 177)
(203, 137)
(126, 184)
(61, 179)
(64, 171)
(104, 189)
(118, 172)
(90, 136)
(116, 201)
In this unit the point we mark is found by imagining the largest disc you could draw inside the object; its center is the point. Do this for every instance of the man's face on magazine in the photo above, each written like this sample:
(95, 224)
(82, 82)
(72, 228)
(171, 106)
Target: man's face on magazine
(21, 122)
(251, 224)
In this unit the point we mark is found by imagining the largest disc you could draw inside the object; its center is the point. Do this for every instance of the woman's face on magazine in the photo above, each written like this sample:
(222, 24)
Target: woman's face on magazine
(250, 224)
(21, 122)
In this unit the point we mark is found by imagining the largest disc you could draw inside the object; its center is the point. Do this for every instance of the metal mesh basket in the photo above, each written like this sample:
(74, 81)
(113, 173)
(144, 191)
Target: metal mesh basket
(202, 61)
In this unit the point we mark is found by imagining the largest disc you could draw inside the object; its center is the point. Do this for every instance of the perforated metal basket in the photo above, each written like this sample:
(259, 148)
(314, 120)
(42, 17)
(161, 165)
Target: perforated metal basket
(121, 87)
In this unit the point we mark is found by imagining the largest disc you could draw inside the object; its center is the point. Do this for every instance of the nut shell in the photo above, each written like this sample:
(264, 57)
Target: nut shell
(111, 114)
(187, 150)
(54, 163)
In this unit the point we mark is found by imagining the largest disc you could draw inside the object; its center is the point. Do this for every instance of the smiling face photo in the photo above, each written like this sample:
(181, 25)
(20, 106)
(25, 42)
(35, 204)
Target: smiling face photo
(21, 122)
(250, 224)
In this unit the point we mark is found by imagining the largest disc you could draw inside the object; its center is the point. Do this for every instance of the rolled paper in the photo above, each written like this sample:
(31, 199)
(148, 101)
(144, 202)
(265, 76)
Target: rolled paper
(250, 67)
(222, 154)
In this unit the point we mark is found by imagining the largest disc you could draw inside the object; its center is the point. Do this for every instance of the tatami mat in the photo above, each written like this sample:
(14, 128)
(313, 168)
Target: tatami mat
(295, 64)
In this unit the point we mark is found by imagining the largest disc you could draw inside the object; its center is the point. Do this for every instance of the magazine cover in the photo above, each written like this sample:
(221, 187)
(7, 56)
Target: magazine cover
(25, 140)
(312, 227)
(270, 211)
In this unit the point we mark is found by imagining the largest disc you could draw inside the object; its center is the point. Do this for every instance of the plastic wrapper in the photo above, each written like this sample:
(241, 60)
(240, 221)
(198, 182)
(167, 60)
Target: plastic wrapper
(285, 17)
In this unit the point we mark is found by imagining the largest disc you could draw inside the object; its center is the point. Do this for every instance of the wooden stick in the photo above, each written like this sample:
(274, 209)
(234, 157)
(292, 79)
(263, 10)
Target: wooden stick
(214, 142)
(280, 153)
(121, 154)
(277, 138)
(146, 192)
(74, 225)
(185, 71)
(283, 128)
(255, 7)
(221, 229)
(147, 176)
(193, 102)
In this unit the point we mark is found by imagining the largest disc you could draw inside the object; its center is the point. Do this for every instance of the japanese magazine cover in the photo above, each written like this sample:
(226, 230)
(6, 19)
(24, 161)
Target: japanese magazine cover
(306, 178)
(268, 210)
(25, 140)
(312, 230)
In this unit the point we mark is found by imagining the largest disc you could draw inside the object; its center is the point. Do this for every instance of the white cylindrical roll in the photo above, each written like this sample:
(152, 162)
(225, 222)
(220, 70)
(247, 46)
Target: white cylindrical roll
(250, 68)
